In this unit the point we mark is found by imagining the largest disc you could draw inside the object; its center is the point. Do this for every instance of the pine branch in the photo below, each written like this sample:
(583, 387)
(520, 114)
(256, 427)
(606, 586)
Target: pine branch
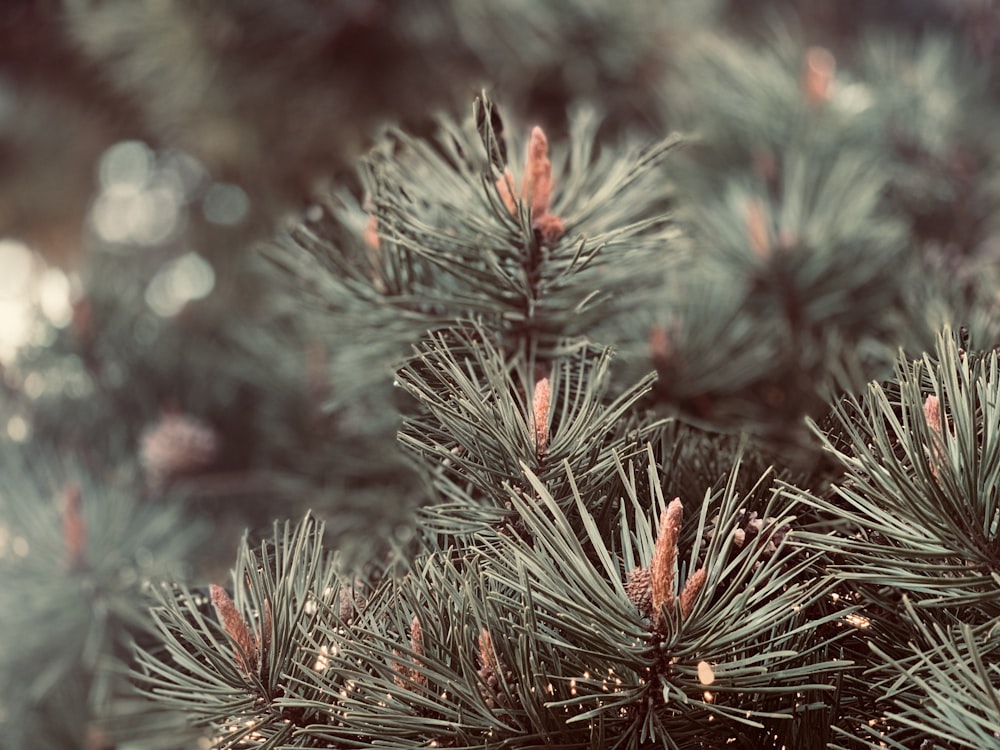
(917, 505)
(942, 689)
(449, 246)
(794, 286)
(577, 596)
(513, 640)
(229, 673)
(911, 529)
(480, 420)
(75, 556)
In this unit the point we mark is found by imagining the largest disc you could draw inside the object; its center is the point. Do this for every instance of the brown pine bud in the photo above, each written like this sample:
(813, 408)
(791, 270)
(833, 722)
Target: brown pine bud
(487, 656)
(693, 586)
(401, 670)
(489, 670)
(938, 423)
(245, 644)
(665, 559)
(407, 674)
(739, 538)
(417, 644)
(416, 636)
(345, 609)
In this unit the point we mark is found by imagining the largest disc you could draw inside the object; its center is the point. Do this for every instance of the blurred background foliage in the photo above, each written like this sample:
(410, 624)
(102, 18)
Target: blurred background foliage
(149, 149)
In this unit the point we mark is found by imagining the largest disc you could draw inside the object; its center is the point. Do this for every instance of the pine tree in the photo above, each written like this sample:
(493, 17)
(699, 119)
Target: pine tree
(650, 404)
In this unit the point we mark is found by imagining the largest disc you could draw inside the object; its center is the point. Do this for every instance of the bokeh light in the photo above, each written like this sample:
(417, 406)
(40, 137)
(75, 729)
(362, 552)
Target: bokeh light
(126, 164)
(187, 278)
(143, 197)
(18, 263)
(16, 260)
(225, 204)
(55, 297)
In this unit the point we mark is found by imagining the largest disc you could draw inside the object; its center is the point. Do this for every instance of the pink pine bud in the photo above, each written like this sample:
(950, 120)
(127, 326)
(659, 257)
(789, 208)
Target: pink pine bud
(818, 73)
(370, 234)
(932, 413)
(540, 403)
(757, 231)
(537, 188)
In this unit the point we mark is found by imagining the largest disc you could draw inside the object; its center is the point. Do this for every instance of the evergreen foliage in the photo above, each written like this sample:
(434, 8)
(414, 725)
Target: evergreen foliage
(652, 404)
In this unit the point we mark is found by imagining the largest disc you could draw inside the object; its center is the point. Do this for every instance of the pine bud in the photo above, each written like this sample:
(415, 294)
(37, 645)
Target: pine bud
(489, 669)
(665, 559)
(938, 423)
(540, 403)
(487, 656)
(537, 187)
(345, 609)
(693, 587)
(416, 636)
(176, 446)
(406, 674)
(739, 538)
(74, 527)
(370, 235)
(932, 413)
(818, 73)
(550, 227)
(757, 232)
(245, 644)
